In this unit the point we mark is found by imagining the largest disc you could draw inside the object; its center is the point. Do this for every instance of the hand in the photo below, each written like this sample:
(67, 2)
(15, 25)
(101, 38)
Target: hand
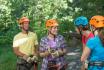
(47, 53)
(60, 52)
(55, 54)
(34, 58)
(86, 64)
(27, 58)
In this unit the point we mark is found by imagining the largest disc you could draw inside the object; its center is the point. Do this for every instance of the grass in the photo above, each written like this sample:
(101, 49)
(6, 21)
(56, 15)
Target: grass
(7, 58)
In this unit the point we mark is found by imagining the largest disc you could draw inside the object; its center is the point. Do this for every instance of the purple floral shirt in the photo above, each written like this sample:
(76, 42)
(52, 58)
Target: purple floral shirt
(58, 43)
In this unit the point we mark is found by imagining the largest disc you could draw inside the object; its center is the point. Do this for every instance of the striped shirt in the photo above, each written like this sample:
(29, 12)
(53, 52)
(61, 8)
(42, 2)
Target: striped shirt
(44, 45)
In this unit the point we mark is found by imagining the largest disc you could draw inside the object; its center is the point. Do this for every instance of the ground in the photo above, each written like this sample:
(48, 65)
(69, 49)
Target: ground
(73, 58)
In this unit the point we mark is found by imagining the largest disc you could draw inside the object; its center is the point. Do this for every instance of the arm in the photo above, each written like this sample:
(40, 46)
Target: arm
(17, 52)
(83, 47)
(16, 47)
(85, 54)
(62, 51)
(42, 50)
(44, 54)
(36, 50)
(36, 46)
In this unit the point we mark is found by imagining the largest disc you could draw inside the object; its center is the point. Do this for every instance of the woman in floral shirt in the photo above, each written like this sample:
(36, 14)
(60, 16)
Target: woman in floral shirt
(52, 48)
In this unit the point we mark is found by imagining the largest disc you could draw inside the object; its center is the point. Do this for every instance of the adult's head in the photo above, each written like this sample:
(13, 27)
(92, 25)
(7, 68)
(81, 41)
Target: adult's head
(52, 26)
(97, 22)
(24, 23)
(81, 24)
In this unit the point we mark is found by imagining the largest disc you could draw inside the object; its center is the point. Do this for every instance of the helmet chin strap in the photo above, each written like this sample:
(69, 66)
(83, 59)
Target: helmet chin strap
(25, 31)
(50, 34)
(80, 31)
(95, 32)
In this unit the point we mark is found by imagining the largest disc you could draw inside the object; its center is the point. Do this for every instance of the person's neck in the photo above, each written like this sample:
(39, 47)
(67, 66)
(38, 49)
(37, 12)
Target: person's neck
(86, 33)
(24, 32)
(51, 37)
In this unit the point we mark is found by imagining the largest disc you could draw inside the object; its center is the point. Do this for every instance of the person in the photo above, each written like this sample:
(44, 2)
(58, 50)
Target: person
(25, 46)
(81, 24)
(94, 50)
(52, 48)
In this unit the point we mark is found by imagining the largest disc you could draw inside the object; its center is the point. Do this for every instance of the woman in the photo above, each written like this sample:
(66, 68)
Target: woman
(94, 50)
(81, 24)
(52, 48)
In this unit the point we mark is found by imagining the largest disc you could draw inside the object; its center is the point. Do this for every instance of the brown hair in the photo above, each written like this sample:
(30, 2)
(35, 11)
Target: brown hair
(101, 35)
(85, 28)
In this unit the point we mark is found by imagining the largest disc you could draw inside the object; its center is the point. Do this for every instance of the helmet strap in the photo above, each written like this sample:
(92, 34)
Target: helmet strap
(23, 30)
(80, 31)
(50, 33)
(95, 32)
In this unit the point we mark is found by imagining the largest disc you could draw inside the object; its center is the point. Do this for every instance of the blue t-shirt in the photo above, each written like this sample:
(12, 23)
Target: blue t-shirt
(97, 52)
(97, 49)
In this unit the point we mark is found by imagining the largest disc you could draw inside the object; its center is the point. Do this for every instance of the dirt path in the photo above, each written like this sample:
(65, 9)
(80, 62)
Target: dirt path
(73, 58)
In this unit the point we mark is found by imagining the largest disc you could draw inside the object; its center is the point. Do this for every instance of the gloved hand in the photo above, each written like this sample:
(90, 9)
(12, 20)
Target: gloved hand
(55, 54)
(60, 52)
(34, 58)
(47, 53)
(27, 58)
(86, 64)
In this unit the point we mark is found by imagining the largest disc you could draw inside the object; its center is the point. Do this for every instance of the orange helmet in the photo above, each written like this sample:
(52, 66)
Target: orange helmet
(97, 21)
(23, 19)
(51, 22)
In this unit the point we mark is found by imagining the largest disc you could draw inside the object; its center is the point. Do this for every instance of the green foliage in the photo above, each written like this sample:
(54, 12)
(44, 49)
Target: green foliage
(7, 58)
(5, 17)
(38, 11)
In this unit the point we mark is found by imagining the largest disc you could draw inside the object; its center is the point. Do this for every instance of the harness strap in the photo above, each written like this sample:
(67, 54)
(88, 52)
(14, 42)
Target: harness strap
(97, 63)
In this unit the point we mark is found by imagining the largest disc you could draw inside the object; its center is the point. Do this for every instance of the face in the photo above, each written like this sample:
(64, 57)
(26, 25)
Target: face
(93, 28)
(54, 30)
(80, 31)
(25, 26)
(77, 30)
(102, 31)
